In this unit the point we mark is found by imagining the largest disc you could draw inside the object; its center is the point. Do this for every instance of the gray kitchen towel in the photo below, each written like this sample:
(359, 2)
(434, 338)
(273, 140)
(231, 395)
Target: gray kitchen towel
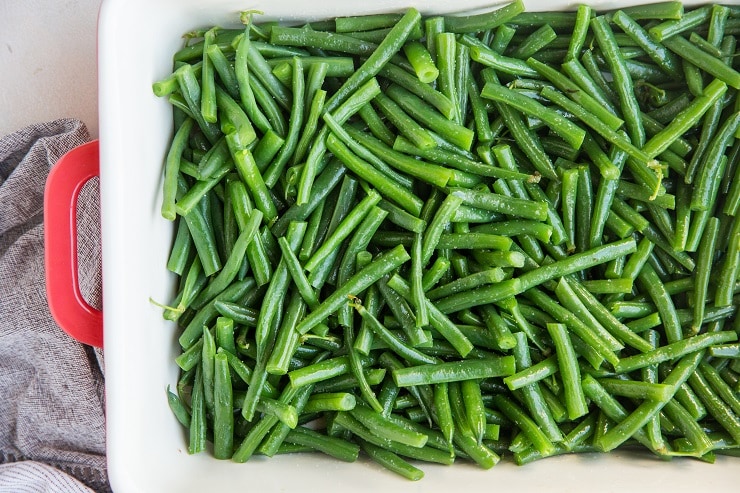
(52, 401)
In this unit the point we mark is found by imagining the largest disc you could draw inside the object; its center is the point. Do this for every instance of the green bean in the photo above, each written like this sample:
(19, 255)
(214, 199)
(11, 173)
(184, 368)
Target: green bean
(408, 353)
(443, 411)
(627, 190)
(376, 178)
(434, 174)
(511, 206)
(569, 299)
(259, 67)
(417, 288)
(536, 372)
(421, 60)
(572, 90)
(705, 45)
(525, 423)
(435, 227)
(225, 334)
(246, 91)
(651, 406)
(257, 255)
(623, 81)
(454, 133)
(335, 447)
(669, 28)
(584, 13)
(336, 401)
(478, 107)
(190, 91)
(445, 46)
(712, 65)
(541, 231)
(203, 230)
(508, 288)
(376, 125)
(501, 38)
(457, 161)
(296, 272)
(728, 274)
(596, 347)
(474, 409)
(641, 164)
(610, 323)
(534, 42)
(720, 386)
(364, 94)
(498, 328)
(658, 10)
(559, 20)
(171, 170)
(359, 242)
(385, 50)
(365, 22)
(387, 429)
(343, 230)
(637, 389)
(604, 198)
(223, 422)
(309, 130)
(686, 119)
(178, 408)
(182, 247)
(268, 322)
(571, 133)
(425, 453)
(703, 271)
(188, 201)
(662, 57)
(274, 170)
(532, 395)
(412, 84)
(429, 374)
(716, 407)
(230, 269)
(198, 425)
(501, 63)
(348, 382)
(404, 123)
(358, 282)
(392, 462)
(257, 433)
(712, 168)
(575, 400)
(251, 175)
(674, 350)
(584, 211)
(484, 21)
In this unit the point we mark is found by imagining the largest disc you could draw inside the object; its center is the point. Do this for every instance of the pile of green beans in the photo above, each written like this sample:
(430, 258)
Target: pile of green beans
(458, 238)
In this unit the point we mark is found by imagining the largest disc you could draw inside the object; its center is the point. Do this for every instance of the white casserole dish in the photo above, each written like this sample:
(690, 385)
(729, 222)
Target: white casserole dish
(147, 449)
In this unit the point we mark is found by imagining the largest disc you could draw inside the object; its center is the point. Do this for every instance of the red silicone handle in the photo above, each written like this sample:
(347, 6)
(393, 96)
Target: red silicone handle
(68, 307)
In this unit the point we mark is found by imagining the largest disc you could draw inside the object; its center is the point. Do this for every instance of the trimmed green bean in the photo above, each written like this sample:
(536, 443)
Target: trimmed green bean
(454, 371)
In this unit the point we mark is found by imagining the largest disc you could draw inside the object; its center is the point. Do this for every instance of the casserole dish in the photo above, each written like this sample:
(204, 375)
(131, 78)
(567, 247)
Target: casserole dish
(147, 448)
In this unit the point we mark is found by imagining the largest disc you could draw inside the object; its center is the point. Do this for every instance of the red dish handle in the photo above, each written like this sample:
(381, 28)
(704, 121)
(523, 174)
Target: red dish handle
(68, 307)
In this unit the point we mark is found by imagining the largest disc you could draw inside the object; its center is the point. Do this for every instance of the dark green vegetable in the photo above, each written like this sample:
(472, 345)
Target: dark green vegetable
(501, 236)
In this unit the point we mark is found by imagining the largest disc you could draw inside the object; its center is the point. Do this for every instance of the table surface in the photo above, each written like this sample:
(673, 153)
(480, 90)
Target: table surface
(48, 66)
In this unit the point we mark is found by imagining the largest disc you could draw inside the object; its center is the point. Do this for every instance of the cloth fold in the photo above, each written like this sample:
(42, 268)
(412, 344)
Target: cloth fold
(52, 397)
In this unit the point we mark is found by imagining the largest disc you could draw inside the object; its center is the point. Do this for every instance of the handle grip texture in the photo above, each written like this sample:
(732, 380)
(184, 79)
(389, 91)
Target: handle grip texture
(68, 307)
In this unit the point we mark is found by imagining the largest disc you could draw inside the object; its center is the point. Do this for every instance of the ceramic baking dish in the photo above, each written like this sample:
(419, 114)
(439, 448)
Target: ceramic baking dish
(147, 449)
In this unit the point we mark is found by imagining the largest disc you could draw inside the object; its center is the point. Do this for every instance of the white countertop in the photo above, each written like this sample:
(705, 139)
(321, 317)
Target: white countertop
(48, 66)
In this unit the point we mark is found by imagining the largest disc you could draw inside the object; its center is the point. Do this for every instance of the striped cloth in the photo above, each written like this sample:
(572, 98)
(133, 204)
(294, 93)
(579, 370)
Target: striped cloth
(52, 414)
